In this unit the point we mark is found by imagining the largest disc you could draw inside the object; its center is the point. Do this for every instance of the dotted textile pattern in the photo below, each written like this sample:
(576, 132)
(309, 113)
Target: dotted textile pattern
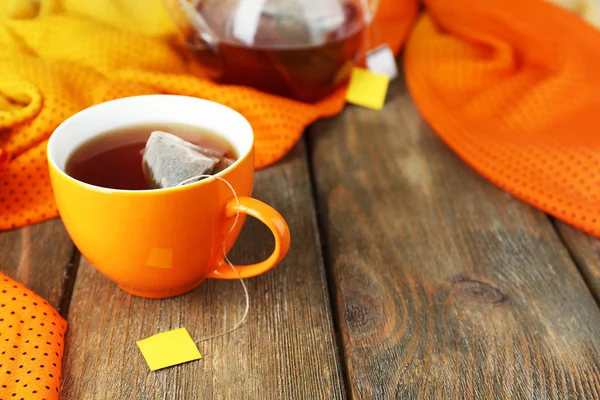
(31, 344)
(513, 88)
(69, 54)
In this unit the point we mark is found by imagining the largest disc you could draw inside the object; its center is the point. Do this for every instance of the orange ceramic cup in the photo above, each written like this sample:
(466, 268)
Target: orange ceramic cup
(164, 242)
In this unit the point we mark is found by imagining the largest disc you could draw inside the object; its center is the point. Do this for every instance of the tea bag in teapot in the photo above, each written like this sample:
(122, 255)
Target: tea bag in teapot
(286, 23)
(169, 160)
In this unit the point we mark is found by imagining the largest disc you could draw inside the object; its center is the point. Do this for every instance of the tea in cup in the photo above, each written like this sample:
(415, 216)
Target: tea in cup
(163, 242)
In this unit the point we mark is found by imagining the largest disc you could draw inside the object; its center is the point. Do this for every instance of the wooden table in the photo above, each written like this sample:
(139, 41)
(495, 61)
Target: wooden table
(409, 276)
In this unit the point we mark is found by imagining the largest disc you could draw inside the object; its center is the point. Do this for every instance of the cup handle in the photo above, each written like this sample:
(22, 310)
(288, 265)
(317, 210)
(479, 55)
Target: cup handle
(274, 221)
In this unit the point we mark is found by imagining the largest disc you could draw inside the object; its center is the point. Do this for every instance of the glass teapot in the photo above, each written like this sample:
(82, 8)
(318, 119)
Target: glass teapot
(302, 49)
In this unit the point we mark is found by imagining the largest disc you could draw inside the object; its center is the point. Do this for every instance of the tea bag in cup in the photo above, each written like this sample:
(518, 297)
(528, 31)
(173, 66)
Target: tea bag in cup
(169, 160)
(222, 164)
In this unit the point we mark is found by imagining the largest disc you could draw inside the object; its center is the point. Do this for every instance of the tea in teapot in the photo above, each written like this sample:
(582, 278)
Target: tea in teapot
(302, 49)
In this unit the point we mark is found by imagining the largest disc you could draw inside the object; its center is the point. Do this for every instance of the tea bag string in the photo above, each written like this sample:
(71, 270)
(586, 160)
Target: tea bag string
(237, 216)
(367, 34)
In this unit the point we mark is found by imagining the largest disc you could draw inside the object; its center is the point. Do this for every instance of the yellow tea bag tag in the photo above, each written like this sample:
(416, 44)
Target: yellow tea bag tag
(169, 348)
(367, 89)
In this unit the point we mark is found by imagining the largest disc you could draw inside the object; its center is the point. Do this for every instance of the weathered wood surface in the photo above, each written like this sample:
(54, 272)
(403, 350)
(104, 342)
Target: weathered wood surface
(38, 256)
(585, 250)
(285, 350)
(445, 286)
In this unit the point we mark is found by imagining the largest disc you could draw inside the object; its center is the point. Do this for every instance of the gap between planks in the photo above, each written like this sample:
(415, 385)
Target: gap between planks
(331, 286)
(583, 250)
(69, 276)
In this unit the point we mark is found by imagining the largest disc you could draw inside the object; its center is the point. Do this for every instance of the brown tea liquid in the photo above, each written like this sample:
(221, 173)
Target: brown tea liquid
(114, 159)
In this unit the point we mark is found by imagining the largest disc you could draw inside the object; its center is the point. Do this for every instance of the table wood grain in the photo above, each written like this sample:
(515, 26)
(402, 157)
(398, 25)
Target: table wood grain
(444, 285)
(285, 350)
(39, 256)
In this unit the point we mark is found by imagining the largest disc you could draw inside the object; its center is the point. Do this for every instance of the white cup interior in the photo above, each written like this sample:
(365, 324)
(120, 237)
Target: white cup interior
(144, 110)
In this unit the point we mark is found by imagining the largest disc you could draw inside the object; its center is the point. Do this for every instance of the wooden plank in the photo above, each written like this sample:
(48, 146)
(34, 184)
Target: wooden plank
(585, 249)
(285, 350)
(38, 256)
(446, 287)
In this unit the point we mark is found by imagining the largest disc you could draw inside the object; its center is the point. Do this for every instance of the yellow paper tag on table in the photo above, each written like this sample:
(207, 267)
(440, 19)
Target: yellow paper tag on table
(169, 348)
(367, 88)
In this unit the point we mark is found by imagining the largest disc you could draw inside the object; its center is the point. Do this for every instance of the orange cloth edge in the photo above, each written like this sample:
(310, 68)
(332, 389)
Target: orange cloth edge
(31, 343)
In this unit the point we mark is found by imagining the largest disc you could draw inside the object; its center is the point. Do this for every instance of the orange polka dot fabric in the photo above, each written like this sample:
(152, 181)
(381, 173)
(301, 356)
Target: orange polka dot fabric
(60, 57)
(513, 88)
(31, 344)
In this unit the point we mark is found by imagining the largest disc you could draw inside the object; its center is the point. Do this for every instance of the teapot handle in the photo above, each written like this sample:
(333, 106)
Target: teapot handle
(185, 17)
(199, 23)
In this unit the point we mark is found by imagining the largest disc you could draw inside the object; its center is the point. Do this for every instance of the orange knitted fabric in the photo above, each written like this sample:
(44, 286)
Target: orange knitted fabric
(55, 64)
(513, 88)
(31, 344)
